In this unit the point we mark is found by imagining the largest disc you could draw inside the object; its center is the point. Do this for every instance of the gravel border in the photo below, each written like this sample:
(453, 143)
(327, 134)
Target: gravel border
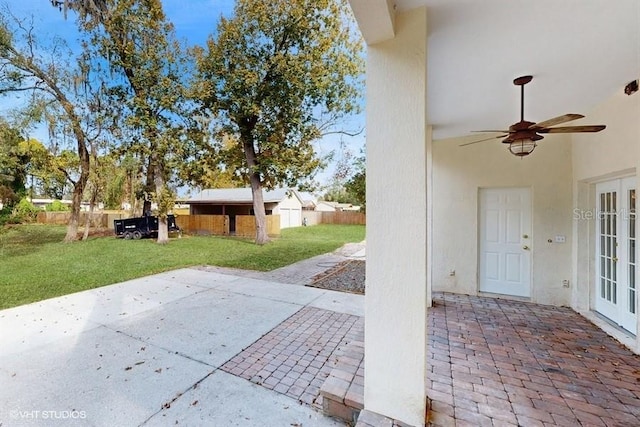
(346, 276)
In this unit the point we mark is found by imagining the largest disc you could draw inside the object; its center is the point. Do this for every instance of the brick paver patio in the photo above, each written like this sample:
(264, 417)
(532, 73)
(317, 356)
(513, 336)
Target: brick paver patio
(501, 362)
(492, 362)
(296, 356)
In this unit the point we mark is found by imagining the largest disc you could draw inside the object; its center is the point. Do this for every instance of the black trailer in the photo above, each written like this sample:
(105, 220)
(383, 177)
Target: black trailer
(139, 227)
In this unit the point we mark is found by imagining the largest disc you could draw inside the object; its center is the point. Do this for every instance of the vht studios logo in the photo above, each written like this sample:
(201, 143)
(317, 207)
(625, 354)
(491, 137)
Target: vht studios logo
(48, 415)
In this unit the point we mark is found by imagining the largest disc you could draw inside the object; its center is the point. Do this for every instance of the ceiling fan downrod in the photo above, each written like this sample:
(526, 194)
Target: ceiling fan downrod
(521, 81)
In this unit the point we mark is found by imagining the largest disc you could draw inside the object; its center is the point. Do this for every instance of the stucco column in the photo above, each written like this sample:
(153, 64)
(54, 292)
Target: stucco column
(396, 298)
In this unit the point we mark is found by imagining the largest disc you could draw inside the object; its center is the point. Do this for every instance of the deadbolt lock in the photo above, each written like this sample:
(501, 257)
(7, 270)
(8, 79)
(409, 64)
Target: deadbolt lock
(525, 236)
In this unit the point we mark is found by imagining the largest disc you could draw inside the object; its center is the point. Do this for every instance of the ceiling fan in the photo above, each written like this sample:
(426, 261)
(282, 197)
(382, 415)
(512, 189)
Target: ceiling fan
(522, 136)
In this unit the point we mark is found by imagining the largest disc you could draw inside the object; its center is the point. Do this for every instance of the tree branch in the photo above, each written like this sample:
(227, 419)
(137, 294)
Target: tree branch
(342, 132)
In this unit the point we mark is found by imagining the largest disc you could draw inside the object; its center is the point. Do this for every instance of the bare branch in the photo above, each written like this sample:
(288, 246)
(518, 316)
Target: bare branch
(343, 132)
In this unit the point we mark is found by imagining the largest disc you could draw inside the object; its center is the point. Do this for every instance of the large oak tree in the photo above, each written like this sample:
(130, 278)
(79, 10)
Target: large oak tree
(277, 76)
(133, 43)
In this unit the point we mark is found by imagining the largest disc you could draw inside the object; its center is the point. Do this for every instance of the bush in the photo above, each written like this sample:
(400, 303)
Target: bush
(5, 215)
(24, 211)
(56, 206)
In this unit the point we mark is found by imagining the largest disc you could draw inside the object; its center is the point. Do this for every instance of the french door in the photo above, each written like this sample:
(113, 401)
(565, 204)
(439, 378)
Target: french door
(616, 252)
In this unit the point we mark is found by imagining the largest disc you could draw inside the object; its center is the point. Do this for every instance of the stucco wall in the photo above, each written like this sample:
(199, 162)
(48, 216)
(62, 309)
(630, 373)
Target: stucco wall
(614, 149)
(459, 172)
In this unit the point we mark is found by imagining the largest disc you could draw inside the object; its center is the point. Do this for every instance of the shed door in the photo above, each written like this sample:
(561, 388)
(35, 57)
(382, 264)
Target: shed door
(505, 241)
(290, 217)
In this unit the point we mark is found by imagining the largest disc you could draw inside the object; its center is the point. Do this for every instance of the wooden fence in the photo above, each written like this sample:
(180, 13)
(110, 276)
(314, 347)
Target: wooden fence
(338, 217)
(204, 224)
(218, 225)
(246, 225)
(98, 220)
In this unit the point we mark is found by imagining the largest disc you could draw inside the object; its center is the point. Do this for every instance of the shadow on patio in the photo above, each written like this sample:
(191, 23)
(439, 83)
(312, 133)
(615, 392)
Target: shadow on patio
(502, 362)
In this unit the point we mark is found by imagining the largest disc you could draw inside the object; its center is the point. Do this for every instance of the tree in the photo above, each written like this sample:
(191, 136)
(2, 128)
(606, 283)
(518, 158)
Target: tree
(53, 82)
(133, 43)
(356, 186)
(13, 171)
(343, 169)
(279, 75)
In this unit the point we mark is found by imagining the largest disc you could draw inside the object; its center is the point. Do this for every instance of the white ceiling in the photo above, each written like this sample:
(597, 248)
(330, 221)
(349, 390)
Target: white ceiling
(580, 53)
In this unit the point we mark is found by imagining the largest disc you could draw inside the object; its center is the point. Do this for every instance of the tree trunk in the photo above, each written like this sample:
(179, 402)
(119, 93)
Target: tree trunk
(79, 185)
(133, 201)
(256, 190)
(74, 219)
(87, 225)
(258, 208)
(158, 181)
(149, 184)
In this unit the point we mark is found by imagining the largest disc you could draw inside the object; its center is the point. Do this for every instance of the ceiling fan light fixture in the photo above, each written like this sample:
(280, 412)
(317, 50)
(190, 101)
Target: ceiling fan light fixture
(522, 147)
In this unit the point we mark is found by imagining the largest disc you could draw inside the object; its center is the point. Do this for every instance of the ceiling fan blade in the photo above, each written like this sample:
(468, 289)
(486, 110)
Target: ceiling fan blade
(483, 140)
(491, 131)
(556, 121)
(572, 129)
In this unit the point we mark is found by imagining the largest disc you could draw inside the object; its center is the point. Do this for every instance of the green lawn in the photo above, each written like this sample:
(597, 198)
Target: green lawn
(36, 265)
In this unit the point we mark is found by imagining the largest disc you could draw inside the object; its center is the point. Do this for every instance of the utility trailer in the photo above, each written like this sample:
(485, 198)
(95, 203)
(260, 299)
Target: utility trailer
(139, 227)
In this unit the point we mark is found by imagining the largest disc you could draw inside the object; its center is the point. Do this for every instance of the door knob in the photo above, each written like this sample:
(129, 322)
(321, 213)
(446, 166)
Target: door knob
(526, 248)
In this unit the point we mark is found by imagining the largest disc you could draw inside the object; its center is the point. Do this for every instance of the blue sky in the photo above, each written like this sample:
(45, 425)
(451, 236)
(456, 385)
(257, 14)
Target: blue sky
(194, 20)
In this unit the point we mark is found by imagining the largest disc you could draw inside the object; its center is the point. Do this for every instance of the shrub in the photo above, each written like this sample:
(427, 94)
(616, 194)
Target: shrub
(5, 215)
(56, 206)
(24, 211)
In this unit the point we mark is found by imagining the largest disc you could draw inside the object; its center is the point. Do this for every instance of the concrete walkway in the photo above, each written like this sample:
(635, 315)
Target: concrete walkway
(302, 272)
(150, 351)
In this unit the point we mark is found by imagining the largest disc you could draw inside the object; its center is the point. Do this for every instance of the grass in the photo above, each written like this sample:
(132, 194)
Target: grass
(36, 265)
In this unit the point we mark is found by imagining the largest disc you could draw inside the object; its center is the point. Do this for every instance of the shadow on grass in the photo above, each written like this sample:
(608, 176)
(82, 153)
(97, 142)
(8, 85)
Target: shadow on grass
(19, 241)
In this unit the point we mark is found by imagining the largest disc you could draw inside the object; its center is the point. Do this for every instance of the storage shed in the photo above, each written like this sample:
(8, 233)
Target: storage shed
(284, 202)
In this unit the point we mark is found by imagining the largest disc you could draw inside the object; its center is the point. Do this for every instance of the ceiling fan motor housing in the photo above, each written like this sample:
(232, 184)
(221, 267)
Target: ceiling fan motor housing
(521, 130)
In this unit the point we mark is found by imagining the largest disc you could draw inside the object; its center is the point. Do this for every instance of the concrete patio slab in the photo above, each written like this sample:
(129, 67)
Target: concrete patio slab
(222, 400)
(126, 353)
(34, 325)
(30, 326)
(341, 302)
(210, 327)
(273, 291)
(196, 277)
(102, 376)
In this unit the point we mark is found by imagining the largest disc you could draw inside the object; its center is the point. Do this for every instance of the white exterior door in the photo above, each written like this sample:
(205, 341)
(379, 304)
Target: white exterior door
(505, 241)
(616, 252)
